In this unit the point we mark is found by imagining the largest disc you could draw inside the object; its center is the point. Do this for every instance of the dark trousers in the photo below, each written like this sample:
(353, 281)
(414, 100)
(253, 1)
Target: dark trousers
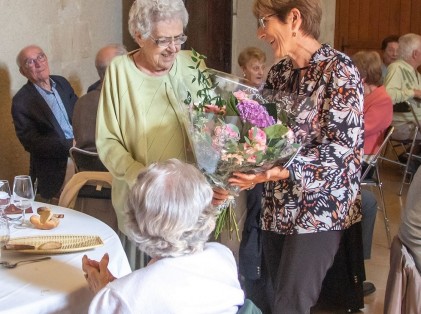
(296, 266)
(251, 267)
(343, 285)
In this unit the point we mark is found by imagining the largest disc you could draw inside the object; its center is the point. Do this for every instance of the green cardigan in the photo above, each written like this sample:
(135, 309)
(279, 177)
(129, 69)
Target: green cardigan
(140, 121)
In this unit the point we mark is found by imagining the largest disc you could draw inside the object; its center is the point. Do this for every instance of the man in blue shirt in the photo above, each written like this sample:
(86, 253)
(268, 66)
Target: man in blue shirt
(42, 110)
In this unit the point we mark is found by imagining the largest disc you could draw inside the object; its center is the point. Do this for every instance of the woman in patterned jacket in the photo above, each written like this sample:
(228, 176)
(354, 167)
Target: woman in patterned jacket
(308, 205)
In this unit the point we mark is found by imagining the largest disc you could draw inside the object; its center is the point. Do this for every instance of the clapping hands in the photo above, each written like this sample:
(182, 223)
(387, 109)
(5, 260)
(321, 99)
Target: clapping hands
(96, 273)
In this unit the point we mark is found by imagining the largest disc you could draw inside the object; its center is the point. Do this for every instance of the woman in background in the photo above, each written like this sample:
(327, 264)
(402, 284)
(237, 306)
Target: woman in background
(378, 106)
(378, 114)
(252, 61)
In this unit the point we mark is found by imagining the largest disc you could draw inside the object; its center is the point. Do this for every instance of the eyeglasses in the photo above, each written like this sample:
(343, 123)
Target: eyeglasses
(31, 62)
(164, 42)
(261, 20)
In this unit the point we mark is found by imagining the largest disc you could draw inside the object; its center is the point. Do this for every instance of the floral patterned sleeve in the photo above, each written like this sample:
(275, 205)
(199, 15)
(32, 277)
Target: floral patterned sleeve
(327, 171)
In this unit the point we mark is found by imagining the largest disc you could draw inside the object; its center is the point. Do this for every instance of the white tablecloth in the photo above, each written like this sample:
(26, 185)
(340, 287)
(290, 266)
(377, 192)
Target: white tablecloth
(57, 285)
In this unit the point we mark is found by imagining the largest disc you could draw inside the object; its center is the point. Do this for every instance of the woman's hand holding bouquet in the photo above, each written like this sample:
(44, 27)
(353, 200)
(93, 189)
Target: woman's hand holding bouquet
(236, 143)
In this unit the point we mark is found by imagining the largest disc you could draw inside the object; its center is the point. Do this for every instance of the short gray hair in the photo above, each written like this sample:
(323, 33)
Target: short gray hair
(407, 44)
(101, 64)
(169, 210)
(144, 13)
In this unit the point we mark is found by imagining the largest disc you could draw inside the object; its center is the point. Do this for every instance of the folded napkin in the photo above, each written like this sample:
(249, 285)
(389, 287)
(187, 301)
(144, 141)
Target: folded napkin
(13, 210)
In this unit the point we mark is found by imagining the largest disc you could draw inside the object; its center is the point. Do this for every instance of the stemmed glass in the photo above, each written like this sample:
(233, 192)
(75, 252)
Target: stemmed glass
(4, 233)
(4, 196)
(23, 196)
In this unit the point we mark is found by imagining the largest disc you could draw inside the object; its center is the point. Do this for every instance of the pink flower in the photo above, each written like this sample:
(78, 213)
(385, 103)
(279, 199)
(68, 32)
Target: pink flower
(257, 144)
(257, 136)
(237, 159)
(222, 134)
(240, 95)
(215, 109)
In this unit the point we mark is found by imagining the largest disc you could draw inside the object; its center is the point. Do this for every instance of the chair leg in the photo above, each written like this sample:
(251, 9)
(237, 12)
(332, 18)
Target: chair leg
(383, 204)
(385, 217)
(408, 162)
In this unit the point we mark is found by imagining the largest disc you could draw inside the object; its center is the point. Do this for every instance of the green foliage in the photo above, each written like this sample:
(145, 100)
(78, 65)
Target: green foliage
(203, 78)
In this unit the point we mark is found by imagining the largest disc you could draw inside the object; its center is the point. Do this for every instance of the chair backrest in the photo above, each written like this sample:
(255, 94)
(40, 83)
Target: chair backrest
(374, 158)
(85, 160)
(100, 181)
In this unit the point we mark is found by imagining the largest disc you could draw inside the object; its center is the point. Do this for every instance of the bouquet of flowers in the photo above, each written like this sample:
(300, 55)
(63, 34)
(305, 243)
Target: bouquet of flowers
(230, 130)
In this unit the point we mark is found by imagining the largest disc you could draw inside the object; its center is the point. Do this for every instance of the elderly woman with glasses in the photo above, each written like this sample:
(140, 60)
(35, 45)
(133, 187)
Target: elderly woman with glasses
(308, 205)
(170, 217)
(139, 121)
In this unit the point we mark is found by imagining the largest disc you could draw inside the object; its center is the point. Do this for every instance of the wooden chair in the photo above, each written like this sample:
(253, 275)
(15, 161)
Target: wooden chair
(85, 160)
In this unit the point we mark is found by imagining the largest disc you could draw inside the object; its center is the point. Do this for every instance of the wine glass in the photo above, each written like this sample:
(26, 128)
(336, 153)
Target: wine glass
(23, 196)
(4, 233)
(4, 196)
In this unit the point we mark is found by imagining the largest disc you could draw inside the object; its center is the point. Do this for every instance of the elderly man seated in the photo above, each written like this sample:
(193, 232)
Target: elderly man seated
(42, 115)
(403, 84)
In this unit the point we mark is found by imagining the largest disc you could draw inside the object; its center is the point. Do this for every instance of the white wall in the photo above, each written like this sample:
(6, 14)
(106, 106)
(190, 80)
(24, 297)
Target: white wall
(70, 32)
(245, 28)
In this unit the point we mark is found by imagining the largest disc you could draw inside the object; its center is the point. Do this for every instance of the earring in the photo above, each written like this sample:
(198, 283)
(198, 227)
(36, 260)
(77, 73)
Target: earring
(294, 34)
(244, 74)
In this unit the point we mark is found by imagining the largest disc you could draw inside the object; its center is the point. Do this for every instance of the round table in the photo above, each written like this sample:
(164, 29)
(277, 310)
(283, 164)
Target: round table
(57, 285)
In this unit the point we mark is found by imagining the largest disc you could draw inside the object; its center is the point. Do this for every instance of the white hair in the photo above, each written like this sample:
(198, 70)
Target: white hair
(169, 210)
(144, 13)
(407, 44)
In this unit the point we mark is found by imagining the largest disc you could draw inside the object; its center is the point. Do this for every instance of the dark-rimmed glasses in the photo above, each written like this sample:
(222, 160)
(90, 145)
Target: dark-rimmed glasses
(164, 42)
(29, 63)
(261, 20)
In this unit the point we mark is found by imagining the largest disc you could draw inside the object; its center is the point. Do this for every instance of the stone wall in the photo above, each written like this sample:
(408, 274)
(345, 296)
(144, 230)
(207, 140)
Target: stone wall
(70, 32)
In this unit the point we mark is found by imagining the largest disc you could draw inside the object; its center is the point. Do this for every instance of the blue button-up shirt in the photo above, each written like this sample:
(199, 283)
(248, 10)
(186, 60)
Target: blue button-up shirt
(56, 105)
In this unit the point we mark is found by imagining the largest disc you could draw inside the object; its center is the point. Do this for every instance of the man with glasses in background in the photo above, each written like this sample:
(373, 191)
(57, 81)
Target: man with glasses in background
(42, 110)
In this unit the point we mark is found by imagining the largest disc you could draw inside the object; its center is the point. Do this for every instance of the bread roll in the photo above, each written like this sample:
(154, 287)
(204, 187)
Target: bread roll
(45, 214)
(52, 245)
(50, 224)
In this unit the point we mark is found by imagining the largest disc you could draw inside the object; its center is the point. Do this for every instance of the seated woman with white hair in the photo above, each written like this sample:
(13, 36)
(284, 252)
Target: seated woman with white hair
(170, 217)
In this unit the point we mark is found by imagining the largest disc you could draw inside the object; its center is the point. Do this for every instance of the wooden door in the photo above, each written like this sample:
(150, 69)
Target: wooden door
(362, 24)
(210, 31)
